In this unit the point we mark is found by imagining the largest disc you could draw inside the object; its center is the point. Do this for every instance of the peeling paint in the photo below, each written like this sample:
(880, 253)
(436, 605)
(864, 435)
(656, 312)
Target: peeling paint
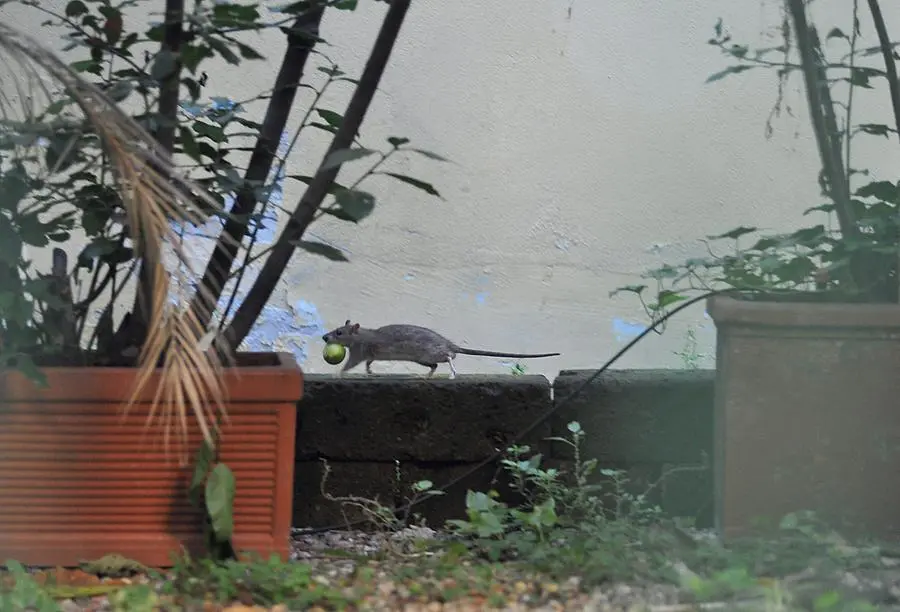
(626, 330)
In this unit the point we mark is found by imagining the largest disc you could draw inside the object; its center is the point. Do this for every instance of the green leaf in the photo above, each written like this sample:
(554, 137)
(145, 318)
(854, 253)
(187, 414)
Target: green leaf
(342, 156)
(331, 118)
(667, 298)
(637, 289)
(163, 66)
(320, 248)
(354, 205)
(220, 492)
(426, 187)
(345, 5)
(204, 458)
(730, 70)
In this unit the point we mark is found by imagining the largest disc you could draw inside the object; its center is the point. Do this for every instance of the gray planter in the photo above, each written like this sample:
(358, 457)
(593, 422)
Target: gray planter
(807, 413)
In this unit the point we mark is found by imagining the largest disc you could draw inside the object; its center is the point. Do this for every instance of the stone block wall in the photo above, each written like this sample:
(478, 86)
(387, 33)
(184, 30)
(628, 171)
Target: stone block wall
(380, 434)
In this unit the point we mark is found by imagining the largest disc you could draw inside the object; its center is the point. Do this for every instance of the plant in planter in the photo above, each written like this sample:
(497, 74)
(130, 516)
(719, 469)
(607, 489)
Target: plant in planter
(806, 341)
(173, 358)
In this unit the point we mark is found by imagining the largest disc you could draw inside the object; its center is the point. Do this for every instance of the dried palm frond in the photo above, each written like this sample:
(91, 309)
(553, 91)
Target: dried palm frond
(154, 195)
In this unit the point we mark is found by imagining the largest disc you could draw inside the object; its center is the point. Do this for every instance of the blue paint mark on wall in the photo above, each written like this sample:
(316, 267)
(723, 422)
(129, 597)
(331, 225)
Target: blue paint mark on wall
(278, 328)
(625, 330)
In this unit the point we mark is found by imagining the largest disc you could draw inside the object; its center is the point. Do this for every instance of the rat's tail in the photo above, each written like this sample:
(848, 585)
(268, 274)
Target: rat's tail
(468, 351)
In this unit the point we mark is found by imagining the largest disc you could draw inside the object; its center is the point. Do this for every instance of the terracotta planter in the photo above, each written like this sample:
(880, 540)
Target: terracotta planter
(78, 480)
(807, 413)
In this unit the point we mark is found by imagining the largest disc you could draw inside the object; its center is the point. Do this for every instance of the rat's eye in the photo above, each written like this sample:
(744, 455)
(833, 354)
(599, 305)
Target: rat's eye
(338, 333)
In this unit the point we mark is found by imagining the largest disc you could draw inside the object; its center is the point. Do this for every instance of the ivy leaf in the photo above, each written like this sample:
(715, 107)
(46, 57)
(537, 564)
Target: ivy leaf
(342, 156)
(220, 492)
(724, 73)
(426, 187)
(320, 248)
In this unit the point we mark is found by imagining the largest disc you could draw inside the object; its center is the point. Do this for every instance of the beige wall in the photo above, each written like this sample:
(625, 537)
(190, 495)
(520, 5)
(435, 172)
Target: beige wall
(586, 149)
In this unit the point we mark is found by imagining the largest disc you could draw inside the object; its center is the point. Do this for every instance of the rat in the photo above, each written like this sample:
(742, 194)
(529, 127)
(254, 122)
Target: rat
(405, 343)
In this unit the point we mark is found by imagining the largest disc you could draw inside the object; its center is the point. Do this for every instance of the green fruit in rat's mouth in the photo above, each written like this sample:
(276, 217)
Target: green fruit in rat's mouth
(334, 353)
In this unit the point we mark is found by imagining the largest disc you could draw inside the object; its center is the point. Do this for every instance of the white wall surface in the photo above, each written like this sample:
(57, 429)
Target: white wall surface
(586, 148)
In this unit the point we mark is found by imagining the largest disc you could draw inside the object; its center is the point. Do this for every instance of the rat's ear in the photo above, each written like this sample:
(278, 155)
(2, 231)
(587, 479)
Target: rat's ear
(347, 323)
(354, 329)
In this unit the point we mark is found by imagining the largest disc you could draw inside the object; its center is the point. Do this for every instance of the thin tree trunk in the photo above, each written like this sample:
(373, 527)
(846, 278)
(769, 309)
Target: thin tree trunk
(278, 259)
(301, 41)
(166, 118)
(831, 161)
(890, 69)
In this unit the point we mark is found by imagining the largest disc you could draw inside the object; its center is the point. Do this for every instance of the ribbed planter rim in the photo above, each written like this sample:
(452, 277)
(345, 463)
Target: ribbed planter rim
(726, 310)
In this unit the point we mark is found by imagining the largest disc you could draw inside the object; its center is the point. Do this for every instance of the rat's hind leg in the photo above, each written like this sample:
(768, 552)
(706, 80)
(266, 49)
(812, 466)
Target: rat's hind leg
(431, 368)
(452, 369)
(369, 366)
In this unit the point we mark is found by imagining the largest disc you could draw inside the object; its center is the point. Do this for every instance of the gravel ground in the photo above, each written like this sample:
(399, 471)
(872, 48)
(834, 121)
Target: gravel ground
(338, 556)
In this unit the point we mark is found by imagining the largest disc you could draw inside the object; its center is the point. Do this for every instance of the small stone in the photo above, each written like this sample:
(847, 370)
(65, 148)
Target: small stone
(68, 605)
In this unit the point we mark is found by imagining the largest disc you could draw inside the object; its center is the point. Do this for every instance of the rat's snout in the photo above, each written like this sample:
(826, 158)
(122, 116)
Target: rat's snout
(325, 337)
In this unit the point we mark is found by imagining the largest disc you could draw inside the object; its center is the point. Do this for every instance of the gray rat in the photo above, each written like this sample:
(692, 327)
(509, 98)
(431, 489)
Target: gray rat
(404, 343)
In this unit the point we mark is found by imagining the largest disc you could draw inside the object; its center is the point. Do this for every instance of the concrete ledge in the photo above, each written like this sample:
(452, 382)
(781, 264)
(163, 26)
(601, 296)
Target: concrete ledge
(638, 416)
(411, 418)
(645, 422)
